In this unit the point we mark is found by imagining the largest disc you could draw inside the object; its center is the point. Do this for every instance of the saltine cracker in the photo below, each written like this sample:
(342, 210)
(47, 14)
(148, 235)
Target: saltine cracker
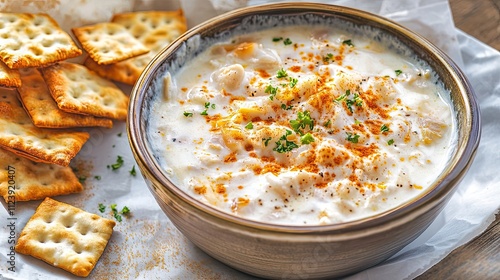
(108, 42)
(65, 236)
(76, 89)
(37, 180)
(33, 40)
(155, 29)
(19, 135)
(42, 108)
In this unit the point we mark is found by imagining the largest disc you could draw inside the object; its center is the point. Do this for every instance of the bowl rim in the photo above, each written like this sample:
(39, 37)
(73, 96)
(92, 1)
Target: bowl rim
(434, 194)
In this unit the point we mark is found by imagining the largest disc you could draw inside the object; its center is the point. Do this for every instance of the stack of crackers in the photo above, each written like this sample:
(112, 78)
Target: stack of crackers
(44, 101)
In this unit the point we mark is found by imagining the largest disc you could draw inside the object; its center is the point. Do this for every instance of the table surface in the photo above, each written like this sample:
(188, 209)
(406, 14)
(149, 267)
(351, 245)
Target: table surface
(480, 258)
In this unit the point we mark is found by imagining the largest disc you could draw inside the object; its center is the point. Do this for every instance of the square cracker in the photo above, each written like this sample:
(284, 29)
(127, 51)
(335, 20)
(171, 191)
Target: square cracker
(37, 180)
(9, 77)
(155, 29)
(108, 42)
(65, 236)
(19, 135)
(76, 89)
(42, 108)
(33, 40)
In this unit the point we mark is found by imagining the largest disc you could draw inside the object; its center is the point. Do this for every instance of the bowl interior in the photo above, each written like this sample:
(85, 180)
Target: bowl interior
(242, 21)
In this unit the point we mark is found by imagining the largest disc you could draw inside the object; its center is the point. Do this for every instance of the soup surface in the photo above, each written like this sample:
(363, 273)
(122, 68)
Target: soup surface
(302, 126)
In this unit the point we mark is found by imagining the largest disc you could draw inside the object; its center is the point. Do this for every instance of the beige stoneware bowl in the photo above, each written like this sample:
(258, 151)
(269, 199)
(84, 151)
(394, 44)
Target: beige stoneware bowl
(277, 251)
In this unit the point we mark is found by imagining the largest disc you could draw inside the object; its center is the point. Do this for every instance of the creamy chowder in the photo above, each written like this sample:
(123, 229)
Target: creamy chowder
(302, 126)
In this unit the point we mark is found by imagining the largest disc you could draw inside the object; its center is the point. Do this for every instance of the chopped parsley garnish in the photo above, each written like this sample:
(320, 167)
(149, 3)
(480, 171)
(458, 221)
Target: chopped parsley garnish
(398, 72)
(303, 119)
(293, 82)
(277, 39)
(266, 140)
(281, 73)
(353, 138)
(207, 105)
(343, 96)
(272, 91)
(390, 142)
(356, 121)
(249, 125)
(384, 128)
(102, 207)
(132, 171)
(285, 107)
(118, 164)
(82, 179)
(119, 134)
(287, 42)
(125, 210)
(306, 138)
(354, 101)
(117, 215)
(328, 57)
(283, 145)
(348, 42)
(188, 114)
(97, 177)
(327, 123)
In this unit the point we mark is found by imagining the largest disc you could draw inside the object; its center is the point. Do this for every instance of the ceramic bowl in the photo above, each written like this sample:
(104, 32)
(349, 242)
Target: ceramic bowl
(278, 251)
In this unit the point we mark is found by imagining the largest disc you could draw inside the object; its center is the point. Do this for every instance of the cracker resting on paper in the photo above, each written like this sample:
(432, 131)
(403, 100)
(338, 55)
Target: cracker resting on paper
(65, 236)
(9, 77)
(76, 89)
(108, 42)
(37, 180)
(42, 108)
(20, 136)
(33, 40)
(155, 29)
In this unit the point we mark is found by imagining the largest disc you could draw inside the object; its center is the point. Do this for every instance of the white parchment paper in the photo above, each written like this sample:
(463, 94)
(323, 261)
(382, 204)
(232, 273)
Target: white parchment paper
(146, 245)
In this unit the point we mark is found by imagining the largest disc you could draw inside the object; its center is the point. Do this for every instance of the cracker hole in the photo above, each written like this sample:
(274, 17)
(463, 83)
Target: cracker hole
(143, 19)
(5, 35)
(47, 31)
(38, 21)
(12, 19)
(37, 52)
(46, 44)
(48, 219)
(83, 231)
